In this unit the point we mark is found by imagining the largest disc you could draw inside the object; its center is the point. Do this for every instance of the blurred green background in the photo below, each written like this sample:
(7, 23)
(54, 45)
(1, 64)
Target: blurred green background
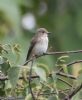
(19, 20)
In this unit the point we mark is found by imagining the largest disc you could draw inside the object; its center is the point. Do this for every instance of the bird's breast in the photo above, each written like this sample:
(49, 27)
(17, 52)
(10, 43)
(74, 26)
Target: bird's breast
(41, 46)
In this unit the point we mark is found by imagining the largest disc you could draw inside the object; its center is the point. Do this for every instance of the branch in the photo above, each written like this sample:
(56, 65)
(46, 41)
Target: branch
(30, 73)
(53, 93)
(75, 91)
(55, 53)
(58, 73)
(66, 75)
(40, 90)
(3, 78)
(65, 82)
(11, 98)
(72, 63)
(22, 98)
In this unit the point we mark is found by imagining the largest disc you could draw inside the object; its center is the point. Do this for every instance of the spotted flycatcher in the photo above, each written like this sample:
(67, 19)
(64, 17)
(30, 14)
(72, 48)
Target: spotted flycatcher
(39, 43)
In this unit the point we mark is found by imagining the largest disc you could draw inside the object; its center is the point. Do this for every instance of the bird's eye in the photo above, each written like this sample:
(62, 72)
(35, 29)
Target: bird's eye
(43, 32)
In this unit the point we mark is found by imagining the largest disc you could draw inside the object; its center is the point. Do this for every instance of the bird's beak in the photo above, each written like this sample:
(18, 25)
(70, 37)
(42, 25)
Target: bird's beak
(48, 32)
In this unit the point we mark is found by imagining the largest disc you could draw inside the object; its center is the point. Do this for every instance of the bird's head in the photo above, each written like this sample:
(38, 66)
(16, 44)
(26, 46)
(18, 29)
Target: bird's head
(42, 31)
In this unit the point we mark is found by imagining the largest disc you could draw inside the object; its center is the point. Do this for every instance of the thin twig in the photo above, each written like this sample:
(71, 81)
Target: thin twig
(66, 75)
(55, 53)
(65, 82)
(30, 73)
(75, 91)
(12, 98)
(72, 63)
(40, 91)
(53, 93)
(22, 98)
(3, 78)
(36, 76)
(58, 73)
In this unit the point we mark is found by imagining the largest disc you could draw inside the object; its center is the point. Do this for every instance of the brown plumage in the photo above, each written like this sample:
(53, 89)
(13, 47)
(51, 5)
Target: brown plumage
(41, 36)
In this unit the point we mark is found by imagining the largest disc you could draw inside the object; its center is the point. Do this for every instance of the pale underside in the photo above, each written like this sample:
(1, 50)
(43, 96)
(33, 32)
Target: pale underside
(38, 47)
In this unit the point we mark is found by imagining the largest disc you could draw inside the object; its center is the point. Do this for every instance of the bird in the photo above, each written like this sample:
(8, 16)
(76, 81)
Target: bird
(39, 43)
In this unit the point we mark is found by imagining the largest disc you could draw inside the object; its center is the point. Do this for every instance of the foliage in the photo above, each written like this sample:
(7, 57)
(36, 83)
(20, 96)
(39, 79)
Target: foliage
(64, 19)
(45, 84)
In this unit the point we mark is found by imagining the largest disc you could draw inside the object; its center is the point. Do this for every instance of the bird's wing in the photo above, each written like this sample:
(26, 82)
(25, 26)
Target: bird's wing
(33, 42)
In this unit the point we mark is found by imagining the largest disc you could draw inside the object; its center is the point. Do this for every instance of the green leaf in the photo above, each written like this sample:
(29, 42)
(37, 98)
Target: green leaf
(55, 80)
(7, 87)
(13, 75)
(79, 77)
(40, 72)
(62, 59)
(45, 67)
(52, 98)
(1, 60)
(2, 49)
(76, 97)
(16, 50)
(28, 97)
(65, 68)
(54, 76)
(61, 62)
(5, 66)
